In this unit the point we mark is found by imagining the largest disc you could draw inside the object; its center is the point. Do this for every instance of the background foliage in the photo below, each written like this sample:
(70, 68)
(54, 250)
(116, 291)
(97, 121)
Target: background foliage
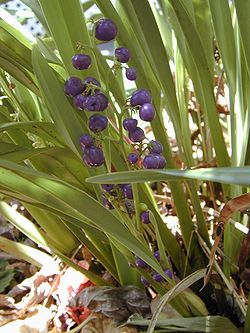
(194, 58)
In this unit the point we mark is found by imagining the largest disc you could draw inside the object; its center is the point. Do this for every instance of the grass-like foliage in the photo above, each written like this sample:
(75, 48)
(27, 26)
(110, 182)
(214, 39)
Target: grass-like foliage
(192, 58)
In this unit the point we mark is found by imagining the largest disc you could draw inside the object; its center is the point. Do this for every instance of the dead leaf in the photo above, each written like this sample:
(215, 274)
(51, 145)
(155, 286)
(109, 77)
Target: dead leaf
(240, 203)
(33, 290)
(69, 283)
(6, 302)
(37, 323)
(117, 303)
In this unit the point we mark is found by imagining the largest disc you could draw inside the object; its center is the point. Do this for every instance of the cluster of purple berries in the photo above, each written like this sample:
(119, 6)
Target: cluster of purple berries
(106, 30)
(92, 154)
(86, 93)
(153, 159)
(141, 99)
(122, 194)
(87, 96)
(156, 276)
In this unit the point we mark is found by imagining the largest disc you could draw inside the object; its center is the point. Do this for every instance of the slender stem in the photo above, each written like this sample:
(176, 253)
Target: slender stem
(137, 208)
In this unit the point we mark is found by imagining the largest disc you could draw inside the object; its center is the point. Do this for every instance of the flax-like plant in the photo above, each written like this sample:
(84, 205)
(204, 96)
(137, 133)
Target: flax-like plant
(194, 59)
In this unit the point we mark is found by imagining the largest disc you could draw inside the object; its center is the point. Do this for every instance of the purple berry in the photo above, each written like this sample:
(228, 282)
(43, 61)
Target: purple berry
(92, 103)
(157, 277)
(127, 191)
(130, 124)
(157, 255)
(106, 203)
(137, 135)
(133, 158)
(150, 162)
(145, 217)
(140, 263)
(140, 97)
(103, 99)
(98, 123)
(161, 161)
(86, 141)
(93, 156)
(155, 147)
(91, 80)
(122, 54)
(97, 102)
(80, 102)
(73, 86)
(106, 30)
(147, 112)
(81, 61)
(168, 273)
(144, 281)
(107, 187)
(131, 73)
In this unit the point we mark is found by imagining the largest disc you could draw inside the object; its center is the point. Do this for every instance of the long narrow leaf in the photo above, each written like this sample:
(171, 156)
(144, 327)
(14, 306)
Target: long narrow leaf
(239, 176)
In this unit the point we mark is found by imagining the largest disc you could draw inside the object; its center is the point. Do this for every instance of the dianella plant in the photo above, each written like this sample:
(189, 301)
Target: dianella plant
(110, 124)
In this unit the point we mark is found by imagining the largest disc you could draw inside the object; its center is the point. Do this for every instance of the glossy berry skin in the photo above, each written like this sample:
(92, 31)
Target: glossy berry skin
(93, 156)
(145, 217)
(81, 61)
(103, 99)
(97, 102)
(144, 281)
(140, 263)
(133, 158)
(98, 123)
(157, 255)
(140, 97)
(161, 161)
(73, 86)
(92, 80)
(92, 103)
(155, 147)
(86, 141)
(80, 102)
(137, 135)
(131, 73)
(150, 162)
(107, 187)
(106, 30)
(129, 124)
(122, 54)
(147, 112)
(127, 191)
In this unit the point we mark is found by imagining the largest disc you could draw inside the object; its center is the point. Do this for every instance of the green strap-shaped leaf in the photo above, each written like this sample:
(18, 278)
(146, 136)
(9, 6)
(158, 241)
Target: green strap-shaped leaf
(17, 153)
(25, 252)
(242, 11)
(61, 111)
(14, 45)
(205, 96)
(61, 197)
(239, 176)
(68, 29)
(46, 131)
(65, 165)
(223, 28)
(19, 73)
